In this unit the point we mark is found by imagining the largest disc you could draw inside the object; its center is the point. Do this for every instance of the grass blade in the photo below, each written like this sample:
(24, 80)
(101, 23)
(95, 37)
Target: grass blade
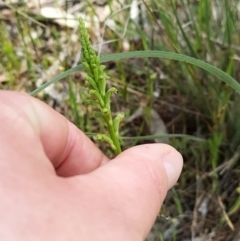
(152, 54)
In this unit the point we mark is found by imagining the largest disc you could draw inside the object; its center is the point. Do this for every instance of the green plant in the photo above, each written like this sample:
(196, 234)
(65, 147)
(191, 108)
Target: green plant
(97, 80)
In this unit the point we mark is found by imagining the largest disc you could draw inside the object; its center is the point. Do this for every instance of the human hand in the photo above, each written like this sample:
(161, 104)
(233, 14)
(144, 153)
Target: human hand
(55, 184)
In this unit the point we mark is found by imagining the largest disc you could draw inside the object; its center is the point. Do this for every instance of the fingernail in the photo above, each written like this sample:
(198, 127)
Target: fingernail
(173, 165)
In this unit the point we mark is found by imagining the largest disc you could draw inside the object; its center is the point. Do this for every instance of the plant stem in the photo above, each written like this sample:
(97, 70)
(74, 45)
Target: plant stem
(97, 80)
(114, 136)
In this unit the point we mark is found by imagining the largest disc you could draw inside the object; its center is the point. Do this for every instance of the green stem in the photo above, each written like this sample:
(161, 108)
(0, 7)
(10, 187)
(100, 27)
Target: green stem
(113, 134)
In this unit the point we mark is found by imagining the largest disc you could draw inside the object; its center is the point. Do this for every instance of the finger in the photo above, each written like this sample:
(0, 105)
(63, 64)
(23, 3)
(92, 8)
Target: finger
(132, 187)
(26, 121)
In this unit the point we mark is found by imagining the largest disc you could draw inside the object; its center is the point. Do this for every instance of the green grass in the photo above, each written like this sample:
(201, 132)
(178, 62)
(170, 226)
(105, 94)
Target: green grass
(201, 112)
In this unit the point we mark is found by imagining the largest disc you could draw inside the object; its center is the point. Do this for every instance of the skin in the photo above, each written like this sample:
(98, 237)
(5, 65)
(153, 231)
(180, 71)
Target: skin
(55, 184)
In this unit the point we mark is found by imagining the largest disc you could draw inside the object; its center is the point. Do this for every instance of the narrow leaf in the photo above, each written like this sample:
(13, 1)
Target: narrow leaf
(108, 96)
(116, 122)
(106, 138)
(152, 54)
(96, 95)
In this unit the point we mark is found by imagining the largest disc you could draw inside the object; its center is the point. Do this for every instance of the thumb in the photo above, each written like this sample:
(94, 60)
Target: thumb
(146, 172)
(133, 186)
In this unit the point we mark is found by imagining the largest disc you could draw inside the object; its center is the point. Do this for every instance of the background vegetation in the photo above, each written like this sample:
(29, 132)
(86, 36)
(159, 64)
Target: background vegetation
(163, 100)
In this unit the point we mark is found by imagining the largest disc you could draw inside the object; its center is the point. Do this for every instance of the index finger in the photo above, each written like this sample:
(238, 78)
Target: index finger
(68, 148)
